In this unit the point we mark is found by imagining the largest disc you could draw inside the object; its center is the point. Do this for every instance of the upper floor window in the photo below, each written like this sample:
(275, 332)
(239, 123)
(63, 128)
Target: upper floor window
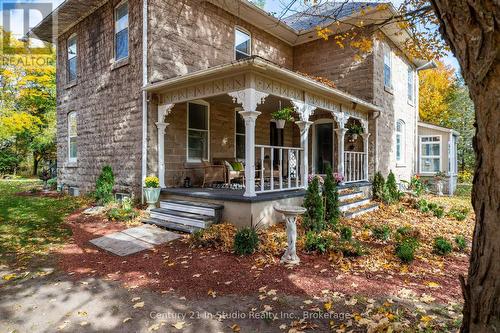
(72, 137)
(198, 131)
(242, 44)
(400, 142)
(387, 68)
(121, 31)
(72, 58)
(240, 136)
(411, 85)
(430, 154)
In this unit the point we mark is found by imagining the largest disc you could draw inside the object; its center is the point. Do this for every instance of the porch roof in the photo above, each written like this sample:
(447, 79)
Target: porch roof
(306, 88)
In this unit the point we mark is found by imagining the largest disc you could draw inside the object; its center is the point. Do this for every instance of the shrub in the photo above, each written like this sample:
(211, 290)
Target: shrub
(405, 250)
(461, 242)
(346, 233)
(438, 212)
(317, 242)
(246, 241)
(401, 209)
(432, 205)
(459, 214)
(332, 211)
(422, 205)
(313, 202)
(391, 193)
(104, 186)
(417, 186)
(152, 182)
(382, 232)
(465, 176)
(407, 232)
(350, 249)
(121, 214)
(442, 246)
(52, 183)
(378, 186)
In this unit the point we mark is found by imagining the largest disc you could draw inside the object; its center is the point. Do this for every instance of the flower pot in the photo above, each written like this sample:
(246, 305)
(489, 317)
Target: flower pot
(152, 195)
(354, 136)
(280, 123)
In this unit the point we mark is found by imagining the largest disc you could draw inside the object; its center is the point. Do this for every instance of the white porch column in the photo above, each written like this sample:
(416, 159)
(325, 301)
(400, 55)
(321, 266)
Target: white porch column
(365, 137)
(341, 119)
(161, 125)
(304, 144)
(249, 98)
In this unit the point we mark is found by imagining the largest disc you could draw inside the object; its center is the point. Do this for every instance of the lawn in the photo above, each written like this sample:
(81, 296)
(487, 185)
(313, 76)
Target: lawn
(31, 222)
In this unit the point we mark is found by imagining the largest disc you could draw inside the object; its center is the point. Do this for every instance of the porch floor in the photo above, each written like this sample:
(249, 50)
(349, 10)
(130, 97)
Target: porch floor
(237, 195)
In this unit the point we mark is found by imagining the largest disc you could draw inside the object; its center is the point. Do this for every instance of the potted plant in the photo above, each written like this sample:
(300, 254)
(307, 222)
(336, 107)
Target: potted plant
(439, 177)
(152, 191)
(281, 116)
(353, 130)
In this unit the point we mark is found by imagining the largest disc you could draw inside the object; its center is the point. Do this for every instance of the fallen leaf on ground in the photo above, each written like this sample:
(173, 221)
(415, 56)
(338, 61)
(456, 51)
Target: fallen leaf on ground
(179, 325)
(139, 305)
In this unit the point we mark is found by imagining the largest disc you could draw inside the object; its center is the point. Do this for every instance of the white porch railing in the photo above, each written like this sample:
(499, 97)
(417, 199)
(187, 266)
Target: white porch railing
(277, 168)
(354, 166)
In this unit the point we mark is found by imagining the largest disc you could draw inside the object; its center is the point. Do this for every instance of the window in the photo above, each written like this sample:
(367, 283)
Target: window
(240, 136)
(430, 154)
(121, 31)
(400, 141)
(411, 85)
(198, 137)
(242, 44)
(72, 58)
(387, 68)
(72, 137)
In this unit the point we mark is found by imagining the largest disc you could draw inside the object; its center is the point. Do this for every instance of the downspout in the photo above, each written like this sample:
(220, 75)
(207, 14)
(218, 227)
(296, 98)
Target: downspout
(144, 95)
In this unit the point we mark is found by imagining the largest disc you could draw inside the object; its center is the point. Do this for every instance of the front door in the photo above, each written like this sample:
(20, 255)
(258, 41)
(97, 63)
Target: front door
(323, 147)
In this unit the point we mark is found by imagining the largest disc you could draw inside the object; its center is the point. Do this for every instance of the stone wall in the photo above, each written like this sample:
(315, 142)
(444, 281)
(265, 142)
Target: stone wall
(190, 35)
(108, 102)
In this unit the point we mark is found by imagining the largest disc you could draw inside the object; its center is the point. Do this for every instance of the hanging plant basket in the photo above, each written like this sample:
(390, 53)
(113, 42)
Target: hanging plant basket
(280, 123)
(281, 116)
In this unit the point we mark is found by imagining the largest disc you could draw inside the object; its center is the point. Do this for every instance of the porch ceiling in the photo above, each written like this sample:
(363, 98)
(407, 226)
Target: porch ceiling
(262, 75)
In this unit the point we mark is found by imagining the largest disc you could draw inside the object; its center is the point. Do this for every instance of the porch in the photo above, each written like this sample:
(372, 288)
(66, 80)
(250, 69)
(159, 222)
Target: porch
(205, 124)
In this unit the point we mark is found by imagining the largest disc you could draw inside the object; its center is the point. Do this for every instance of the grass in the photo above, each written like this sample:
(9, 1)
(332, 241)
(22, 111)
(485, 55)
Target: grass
(31, 224)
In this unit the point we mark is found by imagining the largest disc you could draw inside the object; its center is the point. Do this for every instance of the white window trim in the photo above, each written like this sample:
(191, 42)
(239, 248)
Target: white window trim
(387, 50)
(401, 161)
(411, 101)
(199, 102)
(236, 134)
(245, 31)
(69, 115)
(421, 156)
(116, 32)
(75, 37)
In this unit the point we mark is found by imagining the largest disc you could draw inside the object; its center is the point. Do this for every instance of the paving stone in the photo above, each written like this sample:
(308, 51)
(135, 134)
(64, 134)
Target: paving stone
(121, 244)
(151, 234)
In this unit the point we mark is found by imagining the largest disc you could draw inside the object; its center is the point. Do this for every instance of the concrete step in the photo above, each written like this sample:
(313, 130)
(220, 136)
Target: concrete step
(350, 195)
(193, 207)
(188, 219)
(361, 210)
(345, 206)
(170, 225)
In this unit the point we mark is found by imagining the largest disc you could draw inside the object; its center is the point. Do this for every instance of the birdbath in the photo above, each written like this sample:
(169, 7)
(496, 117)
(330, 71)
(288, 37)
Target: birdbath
(291, 213)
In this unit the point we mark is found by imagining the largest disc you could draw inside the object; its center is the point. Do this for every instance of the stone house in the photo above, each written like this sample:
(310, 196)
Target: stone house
(185, 90)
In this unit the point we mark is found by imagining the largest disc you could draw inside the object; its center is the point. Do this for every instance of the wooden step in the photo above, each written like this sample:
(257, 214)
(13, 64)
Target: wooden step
(361, 210)
(350, 195)
(188, 219)
(193, 207)
(171, 225)
(345, 206)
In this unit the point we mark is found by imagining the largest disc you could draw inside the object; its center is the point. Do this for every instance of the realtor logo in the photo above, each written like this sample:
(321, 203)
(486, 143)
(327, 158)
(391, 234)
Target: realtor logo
(18, 18)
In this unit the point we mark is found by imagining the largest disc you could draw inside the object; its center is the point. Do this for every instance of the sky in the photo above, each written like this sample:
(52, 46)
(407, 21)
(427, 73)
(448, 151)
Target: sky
(276, 7)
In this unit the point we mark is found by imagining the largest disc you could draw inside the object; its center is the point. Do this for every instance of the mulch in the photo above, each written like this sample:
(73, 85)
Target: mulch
(46, 194)
(198, 272)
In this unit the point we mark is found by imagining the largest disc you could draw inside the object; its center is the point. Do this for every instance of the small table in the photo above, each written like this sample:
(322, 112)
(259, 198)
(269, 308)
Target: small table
(291, 213)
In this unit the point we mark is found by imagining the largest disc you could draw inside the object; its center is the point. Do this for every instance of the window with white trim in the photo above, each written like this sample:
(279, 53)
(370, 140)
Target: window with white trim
(411, 85)
(400, 141)
(430, 154)
(242, 44)
(387, 67)
(240, 137)
(72, 137)
(121, 31)
(198, 131)
(72, 66)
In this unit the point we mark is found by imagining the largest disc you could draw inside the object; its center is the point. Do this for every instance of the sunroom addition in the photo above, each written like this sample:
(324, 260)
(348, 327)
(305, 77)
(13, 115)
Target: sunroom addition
(225, 112)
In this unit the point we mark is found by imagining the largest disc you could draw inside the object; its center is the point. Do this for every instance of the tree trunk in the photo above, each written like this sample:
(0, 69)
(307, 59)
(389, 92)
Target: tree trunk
(35, 164)
(471, 29)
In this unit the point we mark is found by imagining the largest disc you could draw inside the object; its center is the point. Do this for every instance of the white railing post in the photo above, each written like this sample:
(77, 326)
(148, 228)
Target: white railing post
(161, 125)
(304, 144)
(365, 136)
